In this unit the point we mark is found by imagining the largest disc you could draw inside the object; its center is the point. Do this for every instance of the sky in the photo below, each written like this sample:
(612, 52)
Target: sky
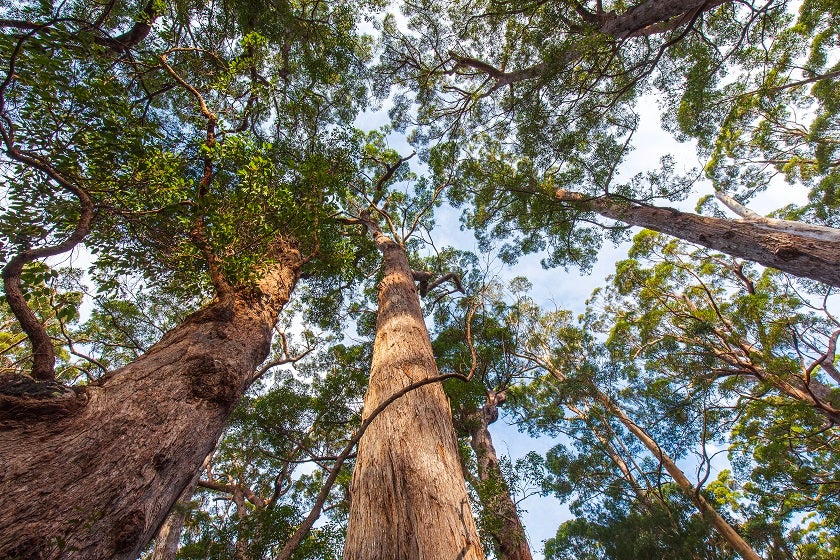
(556, 287)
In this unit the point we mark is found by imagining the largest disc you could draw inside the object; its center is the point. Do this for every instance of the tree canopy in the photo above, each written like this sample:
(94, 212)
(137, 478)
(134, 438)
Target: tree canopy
(207, 249)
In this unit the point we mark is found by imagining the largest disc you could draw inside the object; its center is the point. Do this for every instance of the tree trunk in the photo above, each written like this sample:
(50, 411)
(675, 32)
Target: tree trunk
(408, 497)
(800, 255)
(506, 528)
(93, 474)
(168, 538)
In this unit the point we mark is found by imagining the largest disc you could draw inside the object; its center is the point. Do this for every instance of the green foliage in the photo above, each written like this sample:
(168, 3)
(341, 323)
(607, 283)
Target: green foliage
(667, 529)
(283, 423)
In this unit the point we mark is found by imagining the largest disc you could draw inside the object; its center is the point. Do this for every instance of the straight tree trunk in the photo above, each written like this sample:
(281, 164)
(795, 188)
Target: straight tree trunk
(506, 528)
(168, 538)
(93, 473)
(408, 496)
(800, 255)
(709, 513)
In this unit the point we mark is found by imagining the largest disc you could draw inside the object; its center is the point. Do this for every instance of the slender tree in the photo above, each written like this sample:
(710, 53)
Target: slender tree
(568, 357)
(476, 405)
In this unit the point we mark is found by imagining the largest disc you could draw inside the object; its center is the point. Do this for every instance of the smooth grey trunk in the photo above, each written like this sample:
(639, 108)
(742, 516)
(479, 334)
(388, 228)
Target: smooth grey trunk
(408, 496)
(93, 473)
(799, 255)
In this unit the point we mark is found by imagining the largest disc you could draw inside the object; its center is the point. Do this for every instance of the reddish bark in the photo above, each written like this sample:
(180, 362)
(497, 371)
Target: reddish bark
(408, 497)
(93, 474)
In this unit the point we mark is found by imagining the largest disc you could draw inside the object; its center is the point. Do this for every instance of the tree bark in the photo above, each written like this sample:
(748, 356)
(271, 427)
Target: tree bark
(168, 538)
(799, 255)
(93, 473)
(506, 529)
(408, 497)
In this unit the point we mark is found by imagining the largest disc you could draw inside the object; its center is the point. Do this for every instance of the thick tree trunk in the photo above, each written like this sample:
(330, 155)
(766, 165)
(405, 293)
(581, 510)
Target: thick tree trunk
(506, 528)
(800, 255)
(93, 474)
(408, 497)
(168, 538)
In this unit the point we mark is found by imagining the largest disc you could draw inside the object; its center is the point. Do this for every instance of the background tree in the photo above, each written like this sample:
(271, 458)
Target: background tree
(252, 495)
(766, 346)
(571, 377)
(544, 118)
(476, 405)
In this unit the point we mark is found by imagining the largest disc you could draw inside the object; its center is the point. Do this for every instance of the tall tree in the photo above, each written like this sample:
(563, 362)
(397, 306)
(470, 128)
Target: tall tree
(765, 346)
(221, 198)
(408, 498)
(476, 405)
(569, 358)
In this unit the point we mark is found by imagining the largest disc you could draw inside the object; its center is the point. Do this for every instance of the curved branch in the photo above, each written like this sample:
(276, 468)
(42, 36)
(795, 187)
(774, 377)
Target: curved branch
(294, 541)
(43, 353)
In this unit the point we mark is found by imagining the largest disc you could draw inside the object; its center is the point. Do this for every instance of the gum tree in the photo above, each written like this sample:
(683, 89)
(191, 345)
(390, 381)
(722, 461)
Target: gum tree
(196, 159)
(541, 98)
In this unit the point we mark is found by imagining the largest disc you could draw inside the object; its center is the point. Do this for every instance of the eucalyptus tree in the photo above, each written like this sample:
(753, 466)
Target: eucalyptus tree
(249, 497)
(195, 148)
(573, 378)
(767, 347)
(407, 497)
(703, 316)
(542, 99)
(624, 532)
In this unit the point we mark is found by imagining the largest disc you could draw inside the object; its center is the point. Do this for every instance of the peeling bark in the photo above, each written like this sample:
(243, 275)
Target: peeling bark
(408, 497)
(799, 255)
(96, 480)
(506, 529)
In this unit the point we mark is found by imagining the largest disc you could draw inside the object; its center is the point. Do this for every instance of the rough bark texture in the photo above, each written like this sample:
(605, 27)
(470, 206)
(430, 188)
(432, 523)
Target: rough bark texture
(797, 254)
(408, 497)
(505, 526)
(168, 538)
(644, 18)
(95, 476)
